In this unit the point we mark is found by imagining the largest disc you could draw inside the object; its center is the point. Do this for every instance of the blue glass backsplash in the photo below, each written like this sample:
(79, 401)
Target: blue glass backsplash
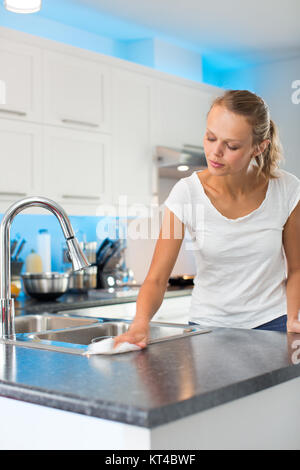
(85, 228)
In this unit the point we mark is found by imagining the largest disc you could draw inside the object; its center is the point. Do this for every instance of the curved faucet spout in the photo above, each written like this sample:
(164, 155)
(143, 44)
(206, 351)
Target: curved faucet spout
(77, 257)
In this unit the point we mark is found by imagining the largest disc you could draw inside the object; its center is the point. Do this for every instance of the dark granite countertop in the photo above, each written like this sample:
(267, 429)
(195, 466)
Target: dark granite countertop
(162, 383)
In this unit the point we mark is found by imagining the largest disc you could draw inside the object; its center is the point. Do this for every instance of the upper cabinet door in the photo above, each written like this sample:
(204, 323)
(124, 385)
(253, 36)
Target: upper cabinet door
(132, 153)
(20, 157)
(182, 114)
(20, 69)
(77, 92)
(77, 166)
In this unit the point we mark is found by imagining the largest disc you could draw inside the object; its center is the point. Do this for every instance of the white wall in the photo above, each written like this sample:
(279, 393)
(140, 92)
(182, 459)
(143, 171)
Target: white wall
(273, 81)
(274, 84)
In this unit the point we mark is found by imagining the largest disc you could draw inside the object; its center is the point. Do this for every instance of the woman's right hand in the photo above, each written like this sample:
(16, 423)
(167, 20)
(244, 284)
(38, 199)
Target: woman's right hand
(137, 334)
(151, 293)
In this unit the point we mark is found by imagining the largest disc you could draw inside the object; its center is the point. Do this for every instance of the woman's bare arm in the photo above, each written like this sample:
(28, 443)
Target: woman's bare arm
(291, 237)
(152, 291)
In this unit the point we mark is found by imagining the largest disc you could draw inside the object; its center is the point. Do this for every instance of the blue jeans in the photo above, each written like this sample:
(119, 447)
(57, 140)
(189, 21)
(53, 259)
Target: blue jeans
(279, 324)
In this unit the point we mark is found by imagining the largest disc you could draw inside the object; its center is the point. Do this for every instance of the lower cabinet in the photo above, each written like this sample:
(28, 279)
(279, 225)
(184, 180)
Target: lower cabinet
(173, 310)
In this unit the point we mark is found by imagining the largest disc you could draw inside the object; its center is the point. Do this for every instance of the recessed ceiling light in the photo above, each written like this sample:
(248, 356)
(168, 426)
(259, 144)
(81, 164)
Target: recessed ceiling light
(23, 6)
(183, 168)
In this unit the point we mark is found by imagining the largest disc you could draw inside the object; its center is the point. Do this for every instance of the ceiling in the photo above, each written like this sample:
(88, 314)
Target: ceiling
(255, 31)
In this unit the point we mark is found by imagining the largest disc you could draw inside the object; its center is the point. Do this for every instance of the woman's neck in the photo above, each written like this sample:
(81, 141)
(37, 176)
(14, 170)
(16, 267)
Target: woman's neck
(236, 185)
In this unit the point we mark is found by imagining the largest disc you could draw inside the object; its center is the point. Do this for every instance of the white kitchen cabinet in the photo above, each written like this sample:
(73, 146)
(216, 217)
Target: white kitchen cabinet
(73, 95)
(20, 69)
(77, 168)
(173, 310)
(132, 98)
(76, 93)
(182, 110)
(20, 160)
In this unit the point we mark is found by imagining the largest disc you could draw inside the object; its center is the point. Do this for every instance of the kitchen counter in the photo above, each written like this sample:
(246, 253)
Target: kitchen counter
(168, 384)
(92, 298)
(165, 382)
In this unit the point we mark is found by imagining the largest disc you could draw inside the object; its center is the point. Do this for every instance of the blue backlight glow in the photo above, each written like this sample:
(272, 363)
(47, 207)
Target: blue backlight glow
(81, 26)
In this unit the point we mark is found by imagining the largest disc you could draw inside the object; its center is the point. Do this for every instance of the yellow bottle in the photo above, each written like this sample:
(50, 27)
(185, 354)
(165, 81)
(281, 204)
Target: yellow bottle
(34, 263)
(15, 289)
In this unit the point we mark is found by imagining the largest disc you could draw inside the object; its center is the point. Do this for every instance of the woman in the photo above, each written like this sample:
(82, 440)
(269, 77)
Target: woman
(243, 215)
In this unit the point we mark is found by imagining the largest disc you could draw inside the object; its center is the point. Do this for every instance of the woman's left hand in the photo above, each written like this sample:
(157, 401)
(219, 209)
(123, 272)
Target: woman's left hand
(293, 326)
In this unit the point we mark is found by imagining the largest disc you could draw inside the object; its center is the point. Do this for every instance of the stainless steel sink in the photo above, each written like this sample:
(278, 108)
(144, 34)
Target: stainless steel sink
(73, 335)
(158, 332)
(38, 323)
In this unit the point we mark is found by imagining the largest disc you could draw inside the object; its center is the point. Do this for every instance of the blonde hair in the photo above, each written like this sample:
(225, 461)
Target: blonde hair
(256, 111)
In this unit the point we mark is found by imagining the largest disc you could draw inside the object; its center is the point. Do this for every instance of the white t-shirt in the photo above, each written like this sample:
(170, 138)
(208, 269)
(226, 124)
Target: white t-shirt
(241, 265)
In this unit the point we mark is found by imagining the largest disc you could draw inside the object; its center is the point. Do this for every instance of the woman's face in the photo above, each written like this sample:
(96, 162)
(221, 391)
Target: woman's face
(227, 142)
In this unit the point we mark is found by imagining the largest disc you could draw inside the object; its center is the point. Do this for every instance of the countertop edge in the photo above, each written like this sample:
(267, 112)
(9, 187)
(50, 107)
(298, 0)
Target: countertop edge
(74, 404)
(154, 417)
(221, 396)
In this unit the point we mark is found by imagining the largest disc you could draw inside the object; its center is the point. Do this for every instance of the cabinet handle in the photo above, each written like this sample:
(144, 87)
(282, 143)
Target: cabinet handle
(71, 196)
(11, 111)
(11, 193)
(80, 123)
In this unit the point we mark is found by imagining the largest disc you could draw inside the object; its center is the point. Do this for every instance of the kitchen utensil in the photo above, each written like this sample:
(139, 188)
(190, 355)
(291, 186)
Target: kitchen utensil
(90, 277)
(89, 249)
(76, 282)
(19, 249)
(45, 286)
(111, 265)
(105, 250)
(16, 267)
(13, 247)
(16, 263)
(113, 259)
(83, 280)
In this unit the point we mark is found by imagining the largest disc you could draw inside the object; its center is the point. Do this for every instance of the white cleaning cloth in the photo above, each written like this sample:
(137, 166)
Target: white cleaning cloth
(106, 347)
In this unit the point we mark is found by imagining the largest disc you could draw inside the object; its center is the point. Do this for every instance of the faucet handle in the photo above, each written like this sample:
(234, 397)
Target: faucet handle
(77, 256)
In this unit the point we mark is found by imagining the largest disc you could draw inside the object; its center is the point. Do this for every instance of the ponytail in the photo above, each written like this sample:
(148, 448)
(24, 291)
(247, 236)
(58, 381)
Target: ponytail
(268, 161)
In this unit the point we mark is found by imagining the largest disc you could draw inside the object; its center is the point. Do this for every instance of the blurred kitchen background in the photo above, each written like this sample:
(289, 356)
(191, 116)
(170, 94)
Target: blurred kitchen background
(105, 99)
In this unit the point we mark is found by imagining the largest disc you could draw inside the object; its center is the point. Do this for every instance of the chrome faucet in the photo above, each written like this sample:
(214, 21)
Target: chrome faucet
(79, 261)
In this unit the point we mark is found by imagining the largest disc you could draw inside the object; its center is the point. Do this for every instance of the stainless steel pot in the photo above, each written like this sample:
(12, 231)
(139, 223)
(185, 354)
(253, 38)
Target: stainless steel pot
(45, 286)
